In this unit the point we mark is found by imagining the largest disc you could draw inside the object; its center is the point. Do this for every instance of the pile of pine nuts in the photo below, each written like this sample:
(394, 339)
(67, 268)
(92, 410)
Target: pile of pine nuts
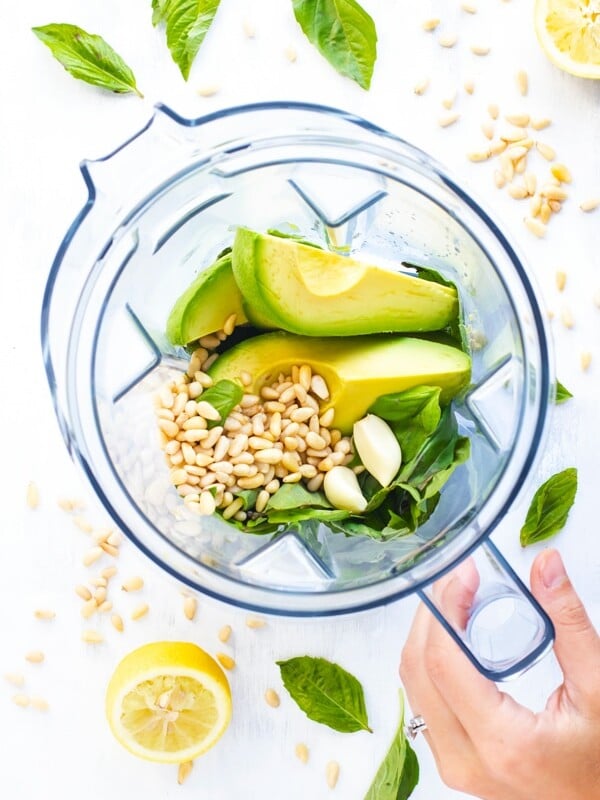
(275, 437)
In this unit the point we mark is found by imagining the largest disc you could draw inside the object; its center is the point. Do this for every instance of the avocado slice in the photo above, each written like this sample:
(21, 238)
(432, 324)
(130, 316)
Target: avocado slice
(206, 304)
(357, 369)
(306, 290)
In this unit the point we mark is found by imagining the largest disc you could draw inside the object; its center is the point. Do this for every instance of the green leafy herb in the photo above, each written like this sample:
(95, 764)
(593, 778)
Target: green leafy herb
(343, 32)
(187, 23)
(562, 394)
(88, 57)
(550, 507)
(223, 396)
(326, 693)
(414, 415)
(398, 773)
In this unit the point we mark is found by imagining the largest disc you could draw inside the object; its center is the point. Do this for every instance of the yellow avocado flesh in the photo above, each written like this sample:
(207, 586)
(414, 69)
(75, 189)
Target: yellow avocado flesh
(357, 370)
(306, 290)
(206, 304)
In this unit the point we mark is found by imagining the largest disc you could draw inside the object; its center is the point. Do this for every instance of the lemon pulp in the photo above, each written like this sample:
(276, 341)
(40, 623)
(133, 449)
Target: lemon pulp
(569, 32)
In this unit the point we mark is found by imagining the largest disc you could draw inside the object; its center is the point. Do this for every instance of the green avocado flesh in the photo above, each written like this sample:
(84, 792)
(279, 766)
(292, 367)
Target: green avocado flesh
(357, 370)
(206, 304)
(302, 289)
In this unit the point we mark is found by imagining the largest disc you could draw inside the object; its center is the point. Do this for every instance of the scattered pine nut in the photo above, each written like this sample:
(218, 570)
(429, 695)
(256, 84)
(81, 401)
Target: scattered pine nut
(590, 205)
(530, 182)
(91, 636)
(332, 773)
(108, 572)
(498, 147)
(272, 698)
(535, 226)
(15, 678)
(248, 28)
(469, 86)
(421, 86)
(117, 622)
(535, 205)
(585, 360)
(21, 700)
(291, 54)
(133, 584)
(561, 173)
(183, 771)
(480, 49)
(493, 111)
(517, 192)
(567, 318)
(469, 8)
(99, 595)
(89, 608)
(561, 279)
(597, 299)
(227, 662)
(140, 611)
(39, 703)
(92, 555)
(302, 752)
(34, 656)
(44, 613)
(65, 504)
(190, 605)
(546, 151)
(255, 622)
(208, 90)
(32, 496)
(110, 549)
(540, 124)
(518, 120)
(478, 155)
(553, 192)
(522, 82)
(225, 633)
(105, 606)
(499, 179)
(83, 524)
(448, 40)
(430, 24)
(448, 119)
(555, 206)
(488, 129)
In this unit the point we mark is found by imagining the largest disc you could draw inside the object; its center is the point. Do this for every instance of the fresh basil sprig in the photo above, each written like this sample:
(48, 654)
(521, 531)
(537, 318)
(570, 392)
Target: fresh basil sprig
(550, 507)
(343, 32)
(187, 23)
(562, 394)
(398, 773)
(326, 693)
(88, 57)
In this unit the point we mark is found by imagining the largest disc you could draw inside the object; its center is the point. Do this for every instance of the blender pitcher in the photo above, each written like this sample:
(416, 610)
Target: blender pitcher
(159, 209)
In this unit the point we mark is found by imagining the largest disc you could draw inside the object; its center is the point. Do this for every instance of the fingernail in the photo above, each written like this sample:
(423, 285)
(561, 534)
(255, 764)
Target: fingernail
(552, 570)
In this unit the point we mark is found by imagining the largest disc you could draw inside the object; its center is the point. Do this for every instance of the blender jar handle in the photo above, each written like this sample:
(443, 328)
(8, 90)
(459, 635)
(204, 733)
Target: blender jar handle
(503, 630)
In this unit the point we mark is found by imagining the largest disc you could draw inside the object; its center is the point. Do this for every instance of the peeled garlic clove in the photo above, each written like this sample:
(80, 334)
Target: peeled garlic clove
(342, 490)
(377, 447)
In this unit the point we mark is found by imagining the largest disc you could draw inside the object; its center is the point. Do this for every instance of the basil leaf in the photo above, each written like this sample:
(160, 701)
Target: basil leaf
(187, 23)
(158, 11)
(294, 495)
(326, 693)
(87, 57)
(562, 394)
(415, 414)
(343, 33)
(398, 773)
(550, 507)
(224, 396)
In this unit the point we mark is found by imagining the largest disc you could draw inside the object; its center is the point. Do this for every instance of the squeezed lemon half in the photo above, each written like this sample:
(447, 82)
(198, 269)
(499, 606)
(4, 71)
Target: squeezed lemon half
(569, 33)
(168, 702)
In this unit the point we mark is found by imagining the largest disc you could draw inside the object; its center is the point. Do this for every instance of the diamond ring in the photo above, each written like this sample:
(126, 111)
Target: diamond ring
(415, 726)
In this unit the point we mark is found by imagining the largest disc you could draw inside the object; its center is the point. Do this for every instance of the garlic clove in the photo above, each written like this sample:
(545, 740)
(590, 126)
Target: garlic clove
(377, 447)
(342, 490)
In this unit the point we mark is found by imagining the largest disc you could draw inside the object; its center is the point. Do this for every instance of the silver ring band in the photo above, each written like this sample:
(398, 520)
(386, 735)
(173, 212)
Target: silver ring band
(415, 726)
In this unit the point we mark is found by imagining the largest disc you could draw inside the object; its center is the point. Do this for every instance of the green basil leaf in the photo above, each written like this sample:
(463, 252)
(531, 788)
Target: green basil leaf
(414, 414)
(550, 507)
(87, 57)
(224, 396)
(343, 32)
(562, 394)
(187, 22)
(326, 693)
(159, 8)
(398, 773)
(294, 495)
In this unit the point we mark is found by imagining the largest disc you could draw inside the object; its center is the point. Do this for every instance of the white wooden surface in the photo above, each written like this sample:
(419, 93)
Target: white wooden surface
(50, 122)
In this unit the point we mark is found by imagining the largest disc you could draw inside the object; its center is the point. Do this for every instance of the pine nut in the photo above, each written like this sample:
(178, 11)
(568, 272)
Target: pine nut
(522, 82)
(302, 752)
(21, 700)
(140, 611)
(315, 441)
(585, 360)
(469, 86)
(487, 129)
(514, 135)
(430, 24)
(235, 506)
(314, 484)
(480, 49)
(535, 226)
(44, 613)
(225, 467)
(304, 376)
(92, 637)
(448, 40)
(293, 477)
(498, 147)
(590, 205)
(39, 704)
(225, 633)
(108, 572)
(32, 496)
(567, 318)
(272, 486)
(133, 584)
(209, 362)
(227, 662)
(561, 280)
(493, 111)
(208, 411)
(499, 179)
(268, 393)
(194, 423)
(213, 437)
(517, 192)
(555, 206)
(195, 435)
(253, 481)
(561, 173)
(172, 447)
(319, 387)
(105, 606)
(469, 8)
(272, 698)
(546, 151)
(553, 192)
(518, 120)
(421, 86)
(530, 182)
(89, 608)
(83, 524)
(448, 119)
(92, 555)
(270, 455)
(332, 773)
(184, 769)
(262, 500)
(540, 124)
(169, 427)
(100, 595)
(535, 205)
(15, 678)
(478, 155)
(238, 445)
(190, 605)
(545, 213)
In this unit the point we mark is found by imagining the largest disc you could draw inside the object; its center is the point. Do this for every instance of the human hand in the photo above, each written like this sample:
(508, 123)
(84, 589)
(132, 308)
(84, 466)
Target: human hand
(486, 744)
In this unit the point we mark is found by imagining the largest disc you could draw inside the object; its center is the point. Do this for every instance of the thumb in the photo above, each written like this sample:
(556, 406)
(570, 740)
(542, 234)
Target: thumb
(577, 644)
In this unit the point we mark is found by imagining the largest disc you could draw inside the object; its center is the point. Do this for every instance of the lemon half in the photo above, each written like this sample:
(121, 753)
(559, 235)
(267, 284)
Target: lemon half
(569, 33)
(168, 702)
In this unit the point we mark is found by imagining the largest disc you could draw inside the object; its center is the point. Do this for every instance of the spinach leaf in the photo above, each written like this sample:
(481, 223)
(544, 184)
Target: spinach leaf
(414, 414)
(398, 773)
(88, 57)
(224, 396)
(326, 693)
(562, 394)
(187, 23)
(550, 507)
(343, 33)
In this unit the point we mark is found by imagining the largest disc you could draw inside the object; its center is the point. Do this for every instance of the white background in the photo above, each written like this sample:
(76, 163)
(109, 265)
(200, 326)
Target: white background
(49, 123)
